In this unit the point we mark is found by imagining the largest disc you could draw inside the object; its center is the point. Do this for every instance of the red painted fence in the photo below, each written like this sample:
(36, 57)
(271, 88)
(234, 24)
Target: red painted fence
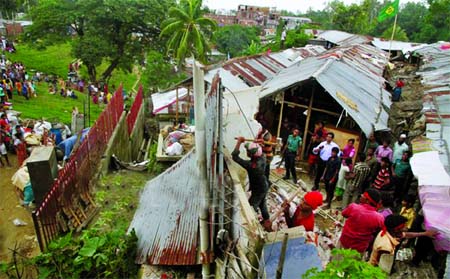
(68, 203)
(134, 110)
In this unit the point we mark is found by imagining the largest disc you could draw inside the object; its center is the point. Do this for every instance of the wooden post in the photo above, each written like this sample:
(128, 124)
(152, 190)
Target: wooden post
(281, 117)
(282, 256)
(176, 109)
(308, 118)
(189, 103)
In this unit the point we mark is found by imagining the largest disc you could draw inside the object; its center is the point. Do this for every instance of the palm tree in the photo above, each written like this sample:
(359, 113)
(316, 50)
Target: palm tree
(189, 32)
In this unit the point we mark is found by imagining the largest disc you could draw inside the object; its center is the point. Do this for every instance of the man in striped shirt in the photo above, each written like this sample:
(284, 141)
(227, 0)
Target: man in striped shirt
(383, 180)
(358, 176)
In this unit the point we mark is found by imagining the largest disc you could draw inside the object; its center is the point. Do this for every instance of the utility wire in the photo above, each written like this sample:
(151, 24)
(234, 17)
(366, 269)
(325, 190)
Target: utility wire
(242, 111)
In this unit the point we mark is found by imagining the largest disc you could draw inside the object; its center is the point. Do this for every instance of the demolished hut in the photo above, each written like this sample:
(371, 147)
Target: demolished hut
(241, 79)
(343, 87)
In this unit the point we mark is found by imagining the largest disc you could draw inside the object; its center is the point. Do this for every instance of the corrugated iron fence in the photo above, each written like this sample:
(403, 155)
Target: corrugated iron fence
(68, 204)
(214, 156)
(134, 110)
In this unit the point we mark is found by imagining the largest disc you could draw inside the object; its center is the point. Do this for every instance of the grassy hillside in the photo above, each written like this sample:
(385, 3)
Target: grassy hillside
(55, 60)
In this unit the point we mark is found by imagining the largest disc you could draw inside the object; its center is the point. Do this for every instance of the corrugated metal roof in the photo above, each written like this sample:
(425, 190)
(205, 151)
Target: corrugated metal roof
(244, 72)
(435, 73)
(334, 36)
(166, 221)
(341, 38)
(162, 100)
(356, 76)
(396, 45)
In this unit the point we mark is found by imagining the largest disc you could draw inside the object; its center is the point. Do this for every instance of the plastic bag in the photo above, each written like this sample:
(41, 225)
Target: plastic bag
(17, 222)
(175, 149)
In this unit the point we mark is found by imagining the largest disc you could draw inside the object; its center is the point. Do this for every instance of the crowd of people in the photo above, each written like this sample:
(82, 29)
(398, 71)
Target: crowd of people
(374, 193)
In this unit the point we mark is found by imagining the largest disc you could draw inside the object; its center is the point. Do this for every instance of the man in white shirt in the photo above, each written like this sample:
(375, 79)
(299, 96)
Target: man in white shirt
(324, 151)
(399, 148)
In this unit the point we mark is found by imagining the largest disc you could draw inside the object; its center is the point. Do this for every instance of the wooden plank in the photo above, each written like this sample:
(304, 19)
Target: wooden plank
(308, 118)
(281, 117)
(277, 236)
(314, 109)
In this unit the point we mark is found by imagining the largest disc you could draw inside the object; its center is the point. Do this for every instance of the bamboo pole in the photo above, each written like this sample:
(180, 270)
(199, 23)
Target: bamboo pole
(282, 256)
(281, 117)
(176, 102)
(308, 118)
(313, 109)
(189, 104)
(265, 142)
(288, 200)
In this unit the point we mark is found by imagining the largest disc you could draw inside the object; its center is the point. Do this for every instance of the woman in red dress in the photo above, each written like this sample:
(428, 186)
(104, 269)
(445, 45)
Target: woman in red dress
(21, 148)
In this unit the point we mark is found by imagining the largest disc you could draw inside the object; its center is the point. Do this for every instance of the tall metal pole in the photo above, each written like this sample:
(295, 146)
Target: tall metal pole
(200, 149)
(89, 109)
(220, 152)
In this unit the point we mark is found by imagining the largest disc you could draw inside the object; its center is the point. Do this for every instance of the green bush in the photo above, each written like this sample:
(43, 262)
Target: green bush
(346, 264)
(93, 255)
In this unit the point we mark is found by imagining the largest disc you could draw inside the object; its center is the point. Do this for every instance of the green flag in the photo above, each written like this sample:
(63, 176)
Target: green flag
(388, 11)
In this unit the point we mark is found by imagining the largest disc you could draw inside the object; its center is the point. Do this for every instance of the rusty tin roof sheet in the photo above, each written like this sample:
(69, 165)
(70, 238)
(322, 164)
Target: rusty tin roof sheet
(244, 72)
(167, 219)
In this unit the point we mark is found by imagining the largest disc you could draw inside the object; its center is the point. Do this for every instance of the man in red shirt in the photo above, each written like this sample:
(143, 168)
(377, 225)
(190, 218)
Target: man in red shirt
(304, 215)
(363, 222)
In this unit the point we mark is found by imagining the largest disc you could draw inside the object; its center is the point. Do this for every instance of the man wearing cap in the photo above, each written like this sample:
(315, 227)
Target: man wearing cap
(399, 148)
(304, 215)
(263, 137)
(363, 222)
(258, 183)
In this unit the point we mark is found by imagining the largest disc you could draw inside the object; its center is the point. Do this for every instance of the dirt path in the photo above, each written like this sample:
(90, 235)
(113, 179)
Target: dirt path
(11, 209)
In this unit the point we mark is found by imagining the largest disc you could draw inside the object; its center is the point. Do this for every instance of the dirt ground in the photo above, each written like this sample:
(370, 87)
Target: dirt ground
(10, 209)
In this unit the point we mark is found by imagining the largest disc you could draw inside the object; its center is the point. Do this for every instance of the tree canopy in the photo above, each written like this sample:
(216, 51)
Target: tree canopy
(101, 31)
(234, 39)
(188, 31)
(427, 21)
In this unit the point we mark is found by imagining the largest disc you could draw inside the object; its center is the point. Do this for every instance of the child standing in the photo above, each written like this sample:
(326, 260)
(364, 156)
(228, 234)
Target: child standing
(343, 177)
(407, 210)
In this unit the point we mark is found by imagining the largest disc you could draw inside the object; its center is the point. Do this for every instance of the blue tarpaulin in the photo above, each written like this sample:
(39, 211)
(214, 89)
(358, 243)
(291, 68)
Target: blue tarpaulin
(67, 145)
(300, 257)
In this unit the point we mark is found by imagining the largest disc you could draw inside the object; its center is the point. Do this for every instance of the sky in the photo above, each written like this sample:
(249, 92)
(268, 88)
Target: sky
(290, 5)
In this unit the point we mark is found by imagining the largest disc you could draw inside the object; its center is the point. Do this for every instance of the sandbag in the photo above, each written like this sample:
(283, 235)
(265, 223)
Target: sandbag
(174, 149)
(187, 141)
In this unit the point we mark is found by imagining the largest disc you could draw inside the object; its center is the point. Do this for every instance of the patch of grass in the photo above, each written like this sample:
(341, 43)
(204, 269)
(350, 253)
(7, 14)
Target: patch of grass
(53, 107)
(52, 60)
(118, 196)
(55, 60)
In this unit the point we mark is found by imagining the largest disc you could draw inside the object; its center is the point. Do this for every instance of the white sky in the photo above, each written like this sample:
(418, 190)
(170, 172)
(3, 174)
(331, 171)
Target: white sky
(290, 5)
